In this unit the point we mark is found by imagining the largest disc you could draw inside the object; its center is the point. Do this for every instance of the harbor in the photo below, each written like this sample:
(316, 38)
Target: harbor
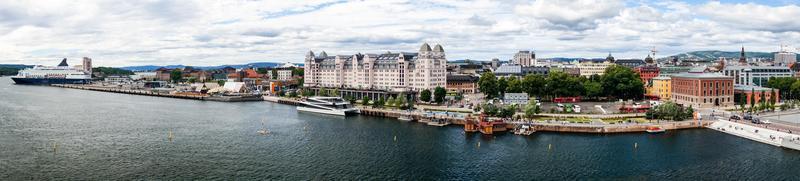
(168, 138)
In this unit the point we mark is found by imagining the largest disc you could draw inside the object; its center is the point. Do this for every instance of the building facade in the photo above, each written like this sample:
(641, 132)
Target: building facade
(756, 75)
(630, 63)
(593, 67)
(646, 73)
(755, 93)
(785, 58)
(398, 72)
(525, 58)
(702, 90)
(467, 84)
(662, 87)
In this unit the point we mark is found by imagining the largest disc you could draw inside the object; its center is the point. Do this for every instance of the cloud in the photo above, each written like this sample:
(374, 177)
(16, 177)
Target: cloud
(571, 15)
(208, 32)
(754, 16)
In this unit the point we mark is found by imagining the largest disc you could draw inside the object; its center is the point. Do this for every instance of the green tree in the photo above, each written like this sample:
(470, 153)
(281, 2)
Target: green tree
(514, 85)
(322, 92)
(221, 82)
(390, 102)
(772, 100)
(534, 84)
(425, 95)
(335, 92)
(783, 84)
(593, 89)
(490, 109)
(562, 84)
(752, 100)
(438, 94)
(488, 85)
(502, 84)
(531, 110)
(365, 100)
(176, 75)
(274, 73)
(379, 103)
(622, 82)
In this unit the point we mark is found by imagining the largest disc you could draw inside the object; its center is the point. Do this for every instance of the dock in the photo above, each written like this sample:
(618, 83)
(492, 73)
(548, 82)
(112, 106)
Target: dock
(759, 134)
(181, 95)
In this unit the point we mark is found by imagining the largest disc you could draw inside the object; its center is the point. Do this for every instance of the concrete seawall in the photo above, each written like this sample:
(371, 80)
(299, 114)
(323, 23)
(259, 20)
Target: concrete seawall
(615, 128)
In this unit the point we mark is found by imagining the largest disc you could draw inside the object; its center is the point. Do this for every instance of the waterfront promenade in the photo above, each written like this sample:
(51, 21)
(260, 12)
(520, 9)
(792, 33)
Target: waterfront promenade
(757, 133)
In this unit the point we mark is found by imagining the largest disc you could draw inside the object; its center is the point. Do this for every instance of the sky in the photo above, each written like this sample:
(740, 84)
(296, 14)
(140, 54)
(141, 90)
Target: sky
(202, 33)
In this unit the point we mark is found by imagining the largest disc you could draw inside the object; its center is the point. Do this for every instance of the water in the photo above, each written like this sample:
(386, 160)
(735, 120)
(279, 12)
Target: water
(106, 136)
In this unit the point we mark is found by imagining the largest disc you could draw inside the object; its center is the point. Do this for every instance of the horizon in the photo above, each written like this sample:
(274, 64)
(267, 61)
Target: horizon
(198, 33)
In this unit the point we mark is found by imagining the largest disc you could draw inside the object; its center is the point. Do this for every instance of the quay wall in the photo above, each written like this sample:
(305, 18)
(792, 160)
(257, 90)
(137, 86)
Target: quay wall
(759, 134)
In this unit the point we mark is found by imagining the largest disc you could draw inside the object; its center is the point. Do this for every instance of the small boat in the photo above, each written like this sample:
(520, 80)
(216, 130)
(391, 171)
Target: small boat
(655, 129)
(405, 116)
(263, 130)
(439, 122)
(524, 129)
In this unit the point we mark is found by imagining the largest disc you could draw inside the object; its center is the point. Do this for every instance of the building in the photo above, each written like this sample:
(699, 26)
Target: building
(590, 67)
(507, 70)
(397, 72)
(525, 58)
(702, 90)
(646, 73)
(756, 75)
(742, 57)
(87, 65)
(672, 70)
(662, 87)
(284, 74)
(630, 63)
(516, 98)
(785, 57)
(117, 79)
(144, 76)
(748, 92)
(467, 84)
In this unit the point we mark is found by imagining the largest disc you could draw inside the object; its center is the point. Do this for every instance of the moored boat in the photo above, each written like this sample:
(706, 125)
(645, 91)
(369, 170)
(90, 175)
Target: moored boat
(655, 129)
(328, 105)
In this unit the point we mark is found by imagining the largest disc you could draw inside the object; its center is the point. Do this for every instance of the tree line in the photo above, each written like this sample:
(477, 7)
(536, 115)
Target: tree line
(616, 82)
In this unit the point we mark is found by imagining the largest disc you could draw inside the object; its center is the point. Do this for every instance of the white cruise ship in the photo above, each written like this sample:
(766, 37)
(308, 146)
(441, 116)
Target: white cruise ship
(61, 74)
(328, 105)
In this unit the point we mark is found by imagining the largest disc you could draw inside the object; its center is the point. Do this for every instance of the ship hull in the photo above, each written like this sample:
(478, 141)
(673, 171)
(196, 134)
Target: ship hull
(43, 81)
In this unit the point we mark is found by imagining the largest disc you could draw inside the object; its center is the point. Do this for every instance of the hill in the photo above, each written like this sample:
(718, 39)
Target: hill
(716, 54)
(254, 64)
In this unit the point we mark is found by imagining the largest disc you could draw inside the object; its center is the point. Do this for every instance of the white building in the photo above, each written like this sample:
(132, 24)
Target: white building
(516, 98)
(525, 58)
(593, 67)
(389, 71)
(144, 76)
(284, 74)
(756, 75)
(784, 57)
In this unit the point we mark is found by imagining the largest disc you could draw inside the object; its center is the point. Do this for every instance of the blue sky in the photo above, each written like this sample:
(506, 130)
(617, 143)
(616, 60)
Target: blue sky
(119, 33)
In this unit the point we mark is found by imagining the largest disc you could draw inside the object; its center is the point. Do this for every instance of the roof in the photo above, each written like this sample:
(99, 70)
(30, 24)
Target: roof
(438, 48)
(508, 69)
(234, 86)
(511, 95)
(425, 47)
(702, 75)
(750, 87)
(461, 78)
(755, 67)
(662, 78)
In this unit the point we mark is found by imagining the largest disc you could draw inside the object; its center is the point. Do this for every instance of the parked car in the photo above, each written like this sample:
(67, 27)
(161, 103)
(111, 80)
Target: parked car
(756, 121)
(736, 117)
(748, 117)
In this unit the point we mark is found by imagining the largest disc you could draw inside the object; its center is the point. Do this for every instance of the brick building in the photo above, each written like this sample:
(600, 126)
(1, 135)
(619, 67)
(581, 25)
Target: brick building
(759, 92)
(462, 83)
(702, 90)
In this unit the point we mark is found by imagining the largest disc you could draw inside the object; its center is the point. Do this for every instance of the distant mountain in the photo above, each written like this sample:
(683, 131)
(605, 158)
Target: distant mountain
(715, 54)
(16, 66)
(254, 64)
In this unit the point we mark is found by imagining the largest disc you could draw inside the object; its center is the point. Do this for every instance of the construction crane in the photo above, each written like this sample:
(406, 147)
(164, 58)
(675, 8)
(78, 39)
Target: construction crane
(653, 51)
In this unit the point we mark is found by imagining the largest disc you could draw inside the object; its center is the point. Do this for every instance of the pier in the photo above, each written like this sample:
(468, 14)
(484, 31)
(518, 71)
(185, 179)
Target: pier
(130, 91)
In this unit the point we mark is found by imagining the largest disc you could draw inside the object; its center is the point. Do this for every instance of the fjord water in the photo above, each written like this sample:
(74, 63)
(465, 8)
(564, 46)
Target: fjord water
(48, 132)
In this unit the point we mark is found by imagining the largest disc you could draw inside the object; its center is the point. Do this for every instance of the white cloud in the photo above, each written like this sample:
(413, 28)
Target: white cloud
(571, 14)
(117, 33)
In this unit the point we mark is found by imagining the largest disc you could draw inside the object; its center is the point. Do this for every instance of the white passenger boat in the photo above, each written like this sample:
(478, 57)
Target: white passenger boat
(328, 105)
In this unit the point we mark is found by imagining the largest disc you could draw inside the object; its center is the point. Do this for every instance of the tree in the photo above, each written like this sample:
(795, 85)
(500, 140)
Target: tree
(502, 84)
(379, 103)
(772, 99)
(593, 89)
(562, 84)
(438, 94)
(400, 102)
(534, 84)
(622, 82)
(365, 100)
(322, 92)
(531, 110)
(508, 111)
(488, 85)
(274, 73)
(514, 85)
(335, 92)
(176, 75)
(490, 109)
(390, 101)
(783, 84)
(425, 95)
(752, 99)
(221, 82)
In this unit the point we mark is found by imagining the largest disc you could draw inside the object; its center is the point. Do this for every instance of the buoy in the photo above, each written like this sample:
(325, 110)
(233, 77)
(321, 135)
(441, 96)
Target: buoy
(55, 147)
(479, 144)
(635, 145)
(395, 138)
(170, 136)
(549, 146)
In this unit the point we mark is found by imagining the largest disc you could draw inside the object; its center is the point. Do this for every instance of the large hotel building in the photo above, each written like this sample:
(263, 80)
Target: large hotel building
(390, 72)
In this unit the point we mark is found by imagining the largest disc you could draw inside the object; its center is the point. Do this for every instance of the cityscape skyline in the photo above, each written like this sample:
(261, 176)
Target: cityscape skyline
(229, 32)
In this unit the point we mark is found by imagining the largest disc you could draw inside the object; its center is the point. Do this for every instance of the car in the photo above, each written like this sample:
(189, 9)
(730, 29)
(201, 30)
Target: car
(748, 117)
(756, 121)
(736, 117)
